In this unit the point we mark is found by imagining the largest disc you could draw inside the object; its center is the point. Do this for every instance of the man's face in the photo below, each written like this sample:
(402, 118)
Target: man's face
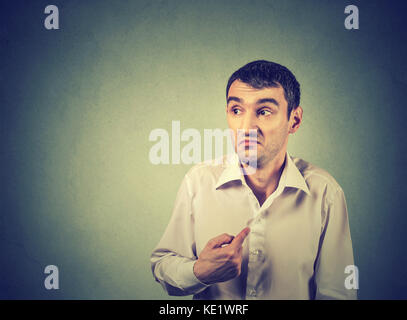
(263, 110)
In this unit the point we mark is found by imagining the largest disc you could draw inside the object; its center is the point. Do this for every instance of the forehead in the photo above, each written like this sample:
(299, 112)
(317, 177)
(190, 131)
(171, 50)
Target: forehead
(250, 95)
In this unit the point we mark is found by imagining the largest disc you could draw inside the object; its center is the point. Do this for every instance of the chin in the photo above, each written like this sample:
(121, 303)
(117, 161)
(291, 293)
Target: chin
(248, 159)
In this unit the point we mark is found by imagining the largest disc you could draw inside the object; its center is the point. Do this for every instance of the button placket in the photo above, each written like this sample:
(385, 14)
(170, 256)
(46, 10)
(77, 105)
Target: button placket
(256, 244)
(256, 253)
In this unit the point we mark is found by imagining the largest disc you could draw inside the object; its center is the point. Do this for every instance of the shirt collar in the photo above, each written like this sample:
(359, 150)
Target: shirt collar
(290, 175)
(295, 179)
(232, 171)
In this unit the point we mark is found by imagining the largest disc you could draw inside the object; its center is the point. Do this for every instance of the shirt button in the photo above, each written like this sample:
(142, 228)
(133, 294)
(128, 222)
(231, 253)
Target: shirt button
(252, 293)
(254, 252)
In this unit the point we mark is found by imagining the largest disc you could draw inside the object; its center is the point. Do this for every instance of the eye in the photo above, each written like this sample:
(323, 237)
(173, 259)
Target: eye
(264, 112)
(236, 111)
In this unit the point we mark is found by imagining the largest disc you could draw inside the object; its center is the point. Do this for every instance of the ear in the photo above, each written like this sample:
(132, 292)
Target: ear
(295, 119)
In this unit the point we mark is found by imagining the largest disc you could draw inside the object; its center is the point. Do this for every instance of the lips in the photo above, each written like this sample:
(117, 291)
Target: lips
(248, 142)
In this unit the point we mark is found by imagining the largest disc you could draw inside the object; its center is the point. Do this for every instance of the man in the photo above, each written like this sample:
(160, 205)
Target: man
(289, 217)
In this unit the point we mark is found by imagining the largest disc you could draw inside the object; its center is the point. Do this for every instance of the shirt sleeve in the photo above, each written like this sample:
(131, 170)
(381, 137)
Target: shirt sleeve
(173, 259)
(335, 252)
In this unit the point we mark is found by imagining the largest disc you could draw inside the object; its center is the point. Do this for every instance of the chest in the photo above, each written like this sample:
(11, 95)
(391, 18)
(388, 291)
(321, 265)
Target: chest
(290, 223)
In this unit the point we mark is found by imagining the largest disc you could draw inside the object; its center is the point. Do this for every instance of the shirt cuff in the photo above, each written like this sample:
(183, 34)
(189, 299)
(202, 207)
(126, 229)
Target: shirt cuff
(188, 280)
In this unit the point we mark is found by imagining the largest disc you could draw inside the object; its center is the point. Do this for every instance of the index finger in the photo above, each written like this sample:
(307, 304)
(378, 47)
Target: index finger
(238, 240)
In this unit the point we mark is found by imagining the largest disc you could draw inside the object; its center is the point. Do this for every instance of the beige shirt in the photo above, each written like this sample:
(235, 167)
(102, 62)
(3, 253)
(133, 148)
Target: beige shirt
(298, 247)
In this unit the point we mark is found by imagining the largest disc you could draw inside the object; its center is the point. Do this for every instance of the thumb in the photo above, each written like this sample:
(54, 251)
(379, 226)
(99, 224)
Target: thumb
(239, 239)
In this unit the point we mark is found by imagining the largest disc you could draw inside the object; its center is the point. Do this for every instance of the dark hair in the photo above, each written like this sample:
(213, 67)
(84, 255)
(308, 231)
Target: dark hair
(262, 74)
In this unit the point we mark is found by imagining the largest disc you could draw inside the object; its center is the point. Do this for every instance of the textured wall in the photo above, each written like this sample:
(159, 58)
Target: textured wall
(78, 104)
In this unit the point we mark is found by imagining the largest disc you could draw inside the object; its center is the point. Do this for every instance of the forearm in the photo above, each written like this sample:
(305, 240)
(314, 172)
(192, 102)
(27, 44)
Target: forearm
(175, 273)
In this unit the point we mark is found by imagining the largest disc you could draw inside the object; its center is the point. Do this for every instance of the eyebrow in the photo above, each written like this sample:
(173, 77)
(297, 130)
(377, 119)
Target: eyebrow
(271, 100)
(232, 98)
(260, 101)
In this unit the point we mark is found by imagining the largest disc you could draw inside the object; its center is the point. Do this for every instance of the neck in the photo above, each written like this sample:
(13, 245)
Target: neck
(265, 179)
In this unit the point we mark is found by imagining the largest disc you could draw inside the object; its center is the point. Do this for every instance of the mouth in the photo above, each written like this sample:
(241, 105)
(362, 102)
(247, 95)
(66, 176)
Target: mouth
(248, 142)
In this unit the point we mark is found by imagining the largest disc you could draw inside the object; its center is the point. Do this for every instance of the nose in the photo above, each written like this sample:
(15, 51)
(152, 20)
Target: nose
(249, 124)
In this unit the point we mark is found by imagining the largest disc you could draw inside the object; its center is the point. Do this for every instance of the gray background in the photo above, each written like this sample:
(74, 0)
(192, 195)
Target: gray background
(78, 104)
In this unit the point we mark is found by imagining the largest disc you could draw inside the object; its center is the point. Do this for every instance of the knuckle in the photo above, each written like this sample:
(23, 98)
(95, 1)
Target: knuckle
(231, 253)
(238, 263)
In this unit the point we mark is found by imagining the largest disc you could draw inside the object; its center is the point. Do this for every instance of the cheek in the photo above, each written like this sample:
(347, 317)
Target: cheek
(274, 130)
(233, 123)
(280, 123)
(268, 128)
(232, 129)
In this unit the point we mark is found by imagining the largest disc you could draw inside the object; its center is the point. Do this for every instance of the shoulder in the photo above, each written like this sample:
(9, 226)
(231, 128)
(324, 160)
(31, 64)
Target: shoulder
(205, 174)
(319, 180)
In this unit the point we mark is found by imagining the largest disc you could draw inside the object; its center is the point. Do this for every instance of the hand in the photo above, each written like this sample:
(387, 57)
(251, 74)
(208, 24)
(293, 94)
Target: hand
(217, 262)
